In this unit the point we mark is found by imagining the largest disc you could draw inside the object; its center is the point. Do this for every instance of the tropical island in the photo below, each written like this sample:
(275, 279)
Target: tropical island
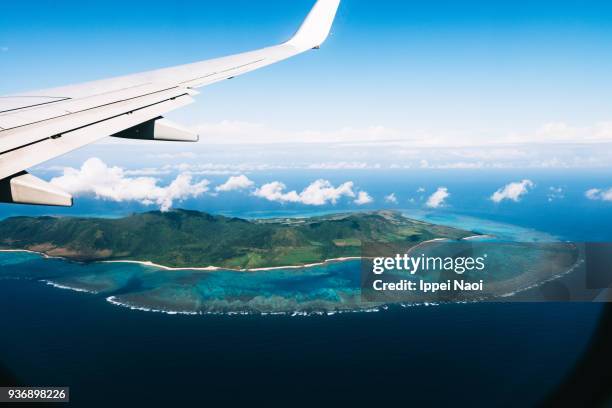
(191, 239)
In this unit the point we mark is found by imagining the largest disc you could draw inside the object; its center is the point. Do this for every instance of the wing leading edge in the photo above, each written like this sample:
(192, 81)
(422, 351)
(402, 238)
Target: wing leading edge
(38, 126)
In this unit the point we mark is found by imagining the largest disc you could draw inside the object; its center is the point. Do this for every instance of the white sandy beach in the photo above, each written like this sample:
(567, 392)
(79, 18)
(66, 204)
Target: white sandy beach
(203, 269)
(216, 268)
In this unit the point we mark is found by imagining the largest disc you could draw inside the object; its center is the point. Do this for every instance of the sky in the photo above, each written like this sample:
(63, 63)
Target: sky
(477, 67)
(398, 85)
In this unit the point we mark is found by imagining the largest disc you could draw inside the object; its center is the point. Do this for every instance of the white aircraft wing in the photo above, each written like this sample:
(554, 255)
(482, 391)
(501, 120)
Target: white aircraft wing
(38, 126)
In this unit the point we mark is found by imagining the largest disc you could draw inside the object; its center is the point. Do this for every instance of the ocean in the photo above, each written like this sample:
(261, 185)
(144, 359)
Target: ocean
(476, 354)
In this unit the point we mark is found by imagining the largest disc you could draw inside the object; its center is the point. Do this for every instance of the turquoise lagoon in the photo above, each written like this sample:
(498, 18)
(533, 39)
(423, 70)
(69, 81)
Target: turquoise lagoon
(323, 289)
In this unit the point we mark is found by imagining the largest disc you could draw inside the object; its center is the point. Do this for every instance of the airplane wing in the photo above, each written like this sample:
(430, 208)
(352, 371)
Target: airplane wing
(38, 126)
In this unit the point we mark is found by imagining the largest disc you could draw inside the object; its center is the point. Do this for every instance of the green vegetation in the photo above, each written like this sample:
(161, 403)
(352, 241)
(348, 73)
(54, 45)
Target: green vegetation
(193, 239)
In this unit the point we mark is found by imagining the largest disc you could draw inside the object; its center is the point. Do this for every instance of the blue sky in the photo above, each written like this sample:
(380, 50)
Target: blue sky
(436, 85)
(472, 66)
(426, 84)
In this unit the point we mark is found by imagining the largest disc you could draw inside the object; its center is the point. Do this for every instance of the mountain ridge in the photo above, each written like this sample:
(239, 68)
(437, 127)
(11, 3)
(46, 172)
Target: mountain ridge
(187, 238)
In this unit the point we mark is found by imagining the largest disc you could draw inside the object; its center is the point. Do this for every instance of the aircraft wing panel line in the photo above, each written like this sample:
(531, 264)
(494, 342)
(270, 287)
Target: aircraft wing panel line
(14, 138)
(226, 70)
(14, 161)
(73, 106)
(14, 103)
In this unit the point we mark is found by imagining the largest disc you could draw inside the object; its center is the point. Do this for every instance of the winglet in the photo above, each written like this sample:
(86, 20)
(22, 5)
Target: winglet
(316, 27)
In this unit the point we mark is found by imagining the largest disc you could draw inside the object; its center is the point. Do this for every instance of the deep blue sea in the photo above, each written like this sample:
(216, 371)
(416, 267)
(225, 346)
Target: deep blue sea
(456, 354)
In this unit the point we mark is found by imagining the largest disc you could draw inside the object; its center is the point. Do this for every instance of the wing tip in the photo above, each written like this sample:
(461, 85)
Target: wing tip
(316, 27)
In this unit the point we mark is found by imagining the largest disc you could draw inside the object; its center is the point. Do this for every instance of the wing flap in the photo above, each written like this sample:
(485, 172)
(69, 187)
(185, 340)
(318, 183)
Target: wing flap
(27, 189)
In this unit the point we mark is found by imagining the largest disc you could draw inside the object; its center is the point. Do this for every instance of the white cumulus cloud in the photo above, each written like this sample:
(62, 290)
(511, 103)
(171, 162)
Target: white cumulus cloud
(363, 198)
(318, 193)
(275, 191)
(438, 198)
(512, 191)
(391, 198)
(236, 183)
(599, 194)
(113, 183)
(322, 191)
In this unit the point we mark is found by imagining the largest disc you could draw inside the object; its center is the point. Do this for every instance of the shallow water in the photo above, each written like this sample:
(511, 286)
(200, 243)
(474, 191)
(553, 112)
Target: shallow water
(330, 288)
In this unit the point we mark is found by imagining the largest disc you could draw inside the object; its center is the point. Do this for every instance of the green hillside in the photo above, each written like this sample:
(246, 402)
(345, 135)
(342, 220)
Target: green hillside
(193, 239)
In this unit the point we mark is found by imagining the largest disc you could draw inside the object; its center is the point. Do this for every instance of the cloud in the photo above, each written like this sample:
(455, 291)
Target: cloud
(555, 193)
(344, 166)
(112, 183)
(322, 191)
(599, 194)
(364, 198)
(564, 132)
(318, 193)
(236, 129)
(458, 165)
(593, 194)
(173, 156)
(240, 132)
(275, 191)
(149, 171)
(548, 145)
(236, 183)
(224, 168)
(4, 49)
(391, 198)
(420, 190)
(513, 191)
(438, 198)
